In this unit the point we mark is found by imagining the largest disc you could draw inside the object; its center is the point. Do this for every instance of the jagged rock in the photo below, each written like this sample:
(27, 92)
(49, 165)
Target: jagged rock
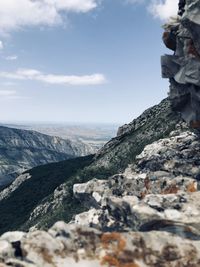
(161, 189)
(177, 155)
(182, 35)
(77, 246)
(149, 215)
(155, 123)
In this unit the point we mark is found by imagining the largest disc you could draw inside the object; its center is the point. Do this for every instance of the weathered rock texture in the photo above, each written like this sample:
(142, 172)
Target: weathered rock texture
(160, 191)
(78, 246)
(149, 215)
(182, 35)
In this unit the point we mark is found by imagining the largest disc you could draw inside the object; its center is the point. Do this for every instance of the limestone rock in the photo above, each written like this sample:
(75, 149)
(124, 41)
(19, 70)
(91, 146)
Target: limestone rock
(77, 246)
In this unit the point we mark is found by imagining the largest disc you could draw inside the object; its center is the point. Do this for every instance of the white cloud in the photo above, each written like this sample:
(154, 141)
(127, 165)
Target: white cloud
(164, 9)
(11, 58)
(31, 74)
(1, 45)
(15, 14)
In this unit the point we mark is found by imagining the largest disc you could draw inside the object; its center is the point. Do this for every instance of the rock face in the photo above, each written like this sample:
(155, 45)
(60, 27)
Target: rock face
(155, 123)
(78, 246)
(149, 215)
(182, 35)
(159, 191)
(21, 150)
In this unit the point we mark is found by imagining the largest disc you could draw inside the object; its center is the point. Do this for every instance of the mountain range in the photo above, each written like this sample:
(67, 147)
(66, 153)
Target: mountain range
(21, 150)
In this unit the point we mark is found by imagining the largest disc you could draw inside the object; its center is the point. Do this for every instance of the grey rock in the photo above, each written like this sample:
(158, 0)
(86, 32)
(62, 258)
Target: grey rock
(183, 68)
(159, 189)
(78, 246)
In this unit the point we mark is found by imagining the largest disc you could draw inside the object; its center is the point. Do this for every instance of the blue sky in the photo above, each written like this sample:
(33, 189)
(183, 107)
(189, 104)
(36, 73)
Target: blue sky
(81, 60)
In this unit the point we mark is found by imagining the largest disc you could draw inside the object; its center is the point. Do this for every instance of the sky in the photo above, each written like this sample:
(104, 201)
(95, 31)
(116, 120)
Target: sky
(83, 61)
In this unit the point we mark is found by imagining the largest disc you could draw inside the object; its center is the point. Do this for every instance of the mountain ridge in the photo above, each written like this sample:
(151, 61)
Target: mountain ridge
(22, 149)
(113, 158)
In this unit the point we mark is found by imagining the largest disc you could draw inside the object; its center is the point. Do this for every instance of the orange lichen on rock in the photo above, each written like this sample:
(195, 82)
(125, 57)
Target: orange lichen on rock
(114, 262)
(191, 188)
(172, 189)
(110, 261)
(110, 238)
(116, 245)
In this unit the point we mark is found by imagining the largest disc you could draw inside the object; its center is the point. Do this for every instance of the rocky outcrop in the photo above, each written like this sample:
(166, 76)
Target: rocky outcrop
(148, 215)
(182, 35)
(159, 191)
(21, 150)
(77, 246)
(155, 123)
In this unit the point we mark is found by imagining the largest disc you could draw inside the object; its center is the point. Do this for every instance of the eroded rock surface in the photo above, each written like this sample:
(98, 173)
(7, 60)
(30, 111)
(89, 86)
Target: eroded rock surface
(160, 191)
(78, 246)
(182, 35)
(149, 215)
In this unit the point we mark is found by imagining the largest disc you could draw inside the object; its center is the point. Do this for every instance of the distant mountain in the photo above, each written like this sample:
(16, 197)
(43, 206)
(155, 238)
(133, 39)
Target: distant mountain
(21, 150)
(59, 203)
(94, 135)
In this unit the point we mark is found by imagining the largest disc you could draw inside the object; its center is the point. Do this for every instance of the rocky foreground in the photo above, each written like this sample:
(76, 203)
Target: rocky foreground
(149, 215)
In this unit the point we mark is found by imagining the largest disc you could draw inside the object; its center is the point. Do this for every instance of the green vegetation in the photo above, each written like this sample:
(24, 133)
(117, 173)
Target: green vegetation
(154, 124)
(15, 210)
